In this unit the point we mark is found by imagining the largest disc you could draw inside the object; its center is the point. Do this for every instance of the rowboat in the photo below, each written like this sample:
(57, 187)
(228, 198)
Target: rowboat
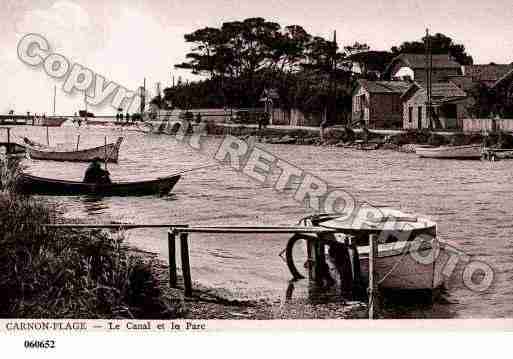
(109, 152)
(449, 152)
(47, 186)
(405, 244)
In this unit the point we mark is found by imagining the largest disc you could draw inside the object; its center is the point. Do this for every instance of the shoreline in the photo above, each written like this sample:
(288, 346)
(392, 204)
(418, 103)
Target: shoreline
(206, 304)
(397, 140)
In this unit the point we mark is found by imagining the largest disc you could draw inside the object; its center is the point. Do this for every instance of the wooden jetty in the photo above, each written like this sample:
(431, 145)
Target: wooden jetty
(13, 120)
(318, 236)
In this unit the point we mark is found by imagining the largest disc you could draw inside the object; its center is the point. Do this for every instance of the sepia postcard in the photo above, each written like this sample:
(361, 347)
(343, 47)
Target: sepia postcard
(234, 166)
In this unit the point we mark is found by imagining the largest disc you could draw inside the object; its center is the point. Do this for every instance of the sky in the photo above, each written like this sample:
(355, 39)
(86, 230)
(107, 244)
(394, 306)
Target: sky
(126, 41)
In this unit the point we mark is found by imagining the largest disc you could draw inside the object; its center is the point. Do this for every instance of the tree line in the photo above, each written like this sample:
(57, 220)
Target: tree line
(240, 59)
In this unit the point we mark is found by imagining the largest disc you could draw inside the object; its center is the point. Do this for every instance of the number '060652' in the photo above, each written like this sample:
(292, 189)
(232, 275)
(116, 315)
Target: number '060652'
(39, 344)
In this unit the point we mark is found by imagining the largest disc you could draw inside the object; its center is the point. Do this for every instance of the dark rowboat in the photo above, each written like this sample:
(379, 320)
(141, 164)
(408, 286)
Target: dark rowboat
(109, 151)
(48, 186)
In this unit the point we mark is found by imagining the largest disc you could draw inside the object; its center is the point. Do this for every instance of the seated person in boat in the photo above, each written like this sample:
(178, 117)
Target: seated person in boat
(95, 173)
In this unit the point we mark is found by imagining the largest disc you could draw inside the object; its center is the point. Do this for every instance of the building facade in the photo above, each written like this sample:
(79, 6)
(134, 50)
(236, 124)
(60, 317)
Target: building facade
(377, 104)
(449, 106)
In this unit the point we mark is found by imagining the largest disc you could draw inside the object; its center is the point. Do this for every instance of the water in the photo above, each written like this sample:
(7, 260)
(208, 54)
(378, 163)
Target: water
(469, 200)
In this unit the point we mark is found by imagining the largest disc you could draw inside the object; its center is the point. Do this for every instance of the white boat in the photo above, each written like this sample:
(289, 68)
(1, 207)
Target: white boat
(398, 266)
(414, 261)
(449, 152)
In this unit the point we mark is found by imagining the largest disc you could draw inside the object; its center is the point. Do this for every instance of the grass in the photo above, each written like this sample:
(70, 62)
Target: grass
(66, 273)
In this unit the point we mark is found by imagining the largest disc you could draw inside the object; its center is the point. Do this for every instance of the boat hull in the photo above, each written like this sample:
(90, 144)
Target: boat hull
(404, 244)
(401, 268)
(46, 186)
(471, 152)
(109, 151)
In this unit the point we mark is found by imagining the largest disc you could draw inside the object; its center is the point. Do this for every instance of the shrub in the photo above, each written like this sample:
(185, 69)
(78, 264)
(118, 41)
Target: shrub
(66, 273)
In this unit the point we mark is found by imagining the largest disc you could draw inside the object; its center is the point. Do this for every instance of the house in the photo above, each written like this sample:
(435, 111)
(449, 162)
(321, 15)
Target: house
(414, 67)
(486, 75)
(502, 91)
(378, 103)
(449, 106)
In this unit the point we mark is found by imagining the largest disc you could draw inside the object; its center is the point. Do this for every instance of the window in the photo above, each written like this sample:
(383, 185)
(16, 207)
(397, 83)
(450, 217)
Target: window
(359, 103)
(410, 114)
(419, 114)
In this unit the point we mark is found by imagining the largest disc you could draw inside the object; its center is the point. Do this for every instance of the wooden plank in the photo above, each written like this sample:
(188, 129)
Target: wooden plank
(171, 245)
(111, 225)
(183, 228)
(262, 229)
(186, 267)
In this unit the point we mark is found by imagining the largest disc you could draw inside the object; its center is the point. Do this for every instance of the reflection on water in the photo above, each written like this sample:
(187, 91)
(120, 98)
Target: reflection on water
(469, 200)
(94, 204)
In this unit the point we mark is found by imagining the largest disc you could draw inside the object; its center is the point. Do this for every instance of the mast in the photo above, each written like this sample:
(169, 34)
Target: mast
(333, 80)
(85, 103)
(143, 96)
(429, 66)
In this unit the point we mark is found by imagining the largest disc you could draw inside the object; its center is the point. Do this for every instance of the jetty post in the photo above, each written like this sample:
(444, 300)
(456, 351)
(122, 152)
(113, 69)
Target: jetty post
(186, 267)
(373, 280)
(319, 262)
(8, 151)
(310, 251)
(171, 246)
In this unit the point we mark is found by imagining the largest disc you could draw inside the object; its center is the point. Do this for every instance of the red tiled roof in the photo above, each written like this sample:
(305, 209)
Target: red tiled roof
(397, 87)
(418, 61)
(504, 78)
(463, 82)
(446, 89)
(439, 91)
(487, 73)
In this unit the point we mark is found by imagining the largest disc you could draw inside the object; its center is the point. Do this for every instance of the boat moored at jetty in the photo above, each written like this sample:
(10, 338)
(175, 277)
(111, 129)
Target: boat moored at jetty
(405, 243)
